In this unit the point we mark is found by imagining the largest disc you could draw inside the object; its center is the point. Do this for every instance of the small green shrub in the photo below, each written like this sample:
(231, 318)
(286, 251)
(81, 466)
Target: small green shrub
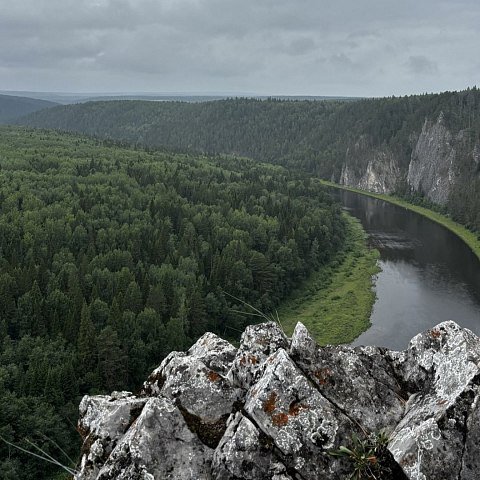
(366, 457)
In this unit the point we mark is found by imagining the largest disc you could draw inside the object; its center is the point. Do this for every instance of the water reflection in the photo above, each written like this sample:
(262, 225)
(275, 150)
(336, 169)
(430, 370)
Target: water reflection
(428, 274)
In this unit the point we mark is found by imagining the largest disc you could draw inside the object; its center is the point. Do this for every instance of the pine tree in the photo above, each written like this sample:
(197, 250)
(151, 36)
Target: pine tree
(111, 360)
(86, 350)
(115, 314)
(133, 298)
(38, 321)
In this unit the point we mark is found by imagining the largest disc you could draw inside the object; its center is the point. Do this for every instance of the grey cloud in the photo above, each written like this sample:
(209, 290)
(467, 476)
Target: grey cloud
(342, 61)
(421, 65)
(264, 46)
(297, 46)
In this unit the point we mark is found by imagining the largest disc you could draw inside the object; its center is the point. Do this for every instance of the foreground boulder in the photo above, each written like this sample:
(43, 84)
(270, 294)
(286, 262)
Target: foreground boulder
(287, 409)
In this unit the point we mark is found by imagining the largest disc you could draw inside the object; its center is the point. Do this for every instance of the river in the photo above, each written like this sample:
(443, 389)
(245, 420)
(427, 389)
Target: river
(428, 274)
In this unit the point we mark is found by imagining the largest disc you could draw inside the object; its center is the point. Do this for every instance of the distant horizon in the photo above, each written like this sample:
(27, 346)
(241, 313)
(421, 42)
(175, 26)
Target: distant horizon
(167, 93)
(208, 93)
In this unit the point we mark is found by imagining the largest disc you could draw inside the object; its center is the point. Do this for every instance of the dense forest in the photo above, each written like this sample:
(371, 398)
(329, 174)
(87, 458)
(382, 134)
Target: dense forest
(312, 135)
(112, 257)
(11, 107)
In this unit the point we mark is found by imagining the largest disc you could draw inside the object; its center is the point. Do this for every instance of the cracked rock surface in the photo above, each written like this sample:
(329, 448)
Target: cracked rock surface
(275, 408)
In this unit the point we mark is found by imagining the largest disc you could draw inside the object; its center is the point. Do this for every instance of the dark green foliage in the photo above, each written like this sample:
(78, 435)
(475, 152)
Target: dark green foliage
(38, 392)
(313, 136)
(370, 458)
(12, 107)
(112, 257)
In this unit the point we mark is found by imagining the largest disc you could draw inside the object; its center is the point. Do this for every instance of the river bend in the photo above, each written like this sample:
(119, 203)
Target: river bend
(428, 274)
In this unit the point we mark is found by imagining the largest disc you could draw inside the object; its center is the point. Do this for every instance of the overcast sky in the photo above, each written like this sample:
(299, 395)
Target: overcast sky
(290, 47)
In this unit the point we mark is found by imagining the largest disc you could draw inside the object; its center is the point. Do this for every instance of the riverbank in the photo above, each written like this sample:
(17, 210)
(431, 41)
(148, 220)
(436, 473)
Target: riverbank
(470, 238)
(336, 303)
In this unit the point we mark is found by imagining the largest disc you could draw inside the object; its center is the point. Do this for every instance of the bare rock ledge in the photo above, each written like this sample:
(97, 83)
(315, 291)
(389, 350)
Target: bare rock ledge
(276, 407)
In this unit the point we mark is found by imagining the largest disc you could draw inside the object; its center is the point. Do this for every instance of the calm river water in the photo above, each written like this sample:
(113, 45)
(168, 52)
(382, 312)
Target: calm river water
(428, 274)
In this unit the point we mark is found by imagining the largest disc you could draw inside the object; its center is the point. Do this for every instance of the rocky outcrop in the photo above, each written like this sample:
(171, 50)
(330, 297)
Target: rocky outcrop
(381, 173)
(280, 408)
(433, 164)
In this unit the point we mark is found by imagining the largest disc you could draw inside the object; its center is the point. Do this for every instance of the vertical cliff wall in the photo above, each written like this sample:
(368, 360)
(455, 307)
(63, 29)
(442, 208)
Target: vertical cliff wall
(433, 164)
(380, 172)
(440, 159)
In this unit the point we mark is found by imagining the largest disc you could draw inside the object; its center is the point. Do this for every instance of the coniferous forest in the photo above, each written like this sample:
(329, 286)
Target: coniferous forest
(112, 257)
(314, 136)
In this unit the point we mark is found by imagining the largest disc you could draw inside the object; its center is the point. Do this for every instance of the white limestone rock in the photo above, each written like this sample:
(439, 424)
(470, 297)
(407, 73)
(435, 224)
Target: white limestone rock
(443, 366)
(104, 419)
(151, 448)
(284, 405)
(258, 342)
(302, 423)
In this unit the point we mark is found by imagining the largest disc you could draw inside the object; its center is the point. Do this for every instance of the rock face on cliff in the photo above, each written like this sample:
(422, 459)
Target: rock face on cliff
(276, 408)
(432, 167)
(439, 156)
(381, 173)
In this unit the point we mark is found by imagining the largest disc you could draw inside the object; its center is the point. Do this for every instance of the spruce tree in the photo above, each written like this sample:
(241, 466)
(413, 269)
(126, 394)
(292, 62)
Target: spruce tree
(86, 350)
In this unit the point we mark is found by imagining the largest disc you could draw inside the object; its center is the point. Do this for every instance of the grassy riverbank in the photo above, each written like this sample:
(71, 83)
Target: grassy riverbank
(335, 304)
(469, 237)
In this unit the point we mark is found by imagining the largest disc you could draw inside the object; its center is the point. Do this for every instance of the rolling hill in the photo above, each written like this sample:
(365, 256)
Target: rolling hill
(12, 108)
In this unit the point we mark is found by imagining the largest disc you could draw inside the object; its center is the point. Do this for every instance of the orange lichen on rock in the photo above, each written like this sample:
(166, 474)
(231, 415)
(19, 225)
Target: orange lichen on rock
(252, 359)
(323, 375)
(249, 359)
(213, 376)
(296, 408)
(435, 333)
(269, 405)
(280, 419)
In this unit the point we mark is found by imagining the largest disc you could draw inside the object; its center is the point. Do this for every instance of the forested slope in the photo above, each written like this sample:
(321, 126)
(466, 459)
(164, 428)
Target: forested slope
(370, 143)
(12, 108)
(270, 130)
(112, 257)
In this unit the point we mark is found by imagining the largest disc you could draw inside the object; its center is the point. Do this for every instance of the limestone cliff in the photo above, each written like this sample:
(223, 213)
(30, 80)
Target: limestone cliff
(432, 167)
(438, 158)
(275, 408)
(380, 173)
